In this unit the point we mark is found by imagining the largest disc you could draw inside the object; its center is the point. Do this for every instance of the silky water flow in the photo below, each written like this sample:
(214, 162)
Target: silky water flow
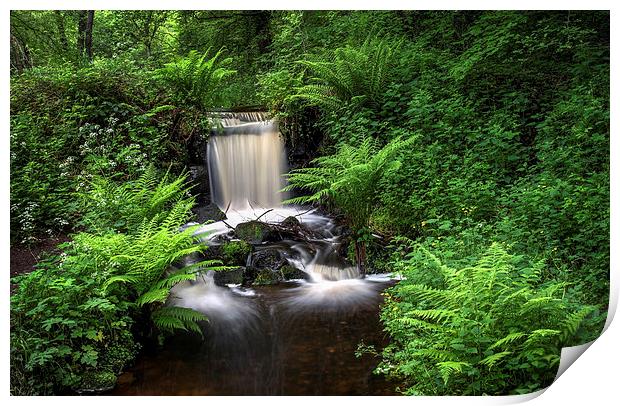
(298, 337)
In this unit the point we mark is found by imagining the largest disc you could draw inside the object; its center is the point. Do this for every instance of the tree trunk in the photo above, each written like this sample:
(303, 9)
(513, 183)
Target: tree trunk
(85, 33)
(20, 55)
(360, 257)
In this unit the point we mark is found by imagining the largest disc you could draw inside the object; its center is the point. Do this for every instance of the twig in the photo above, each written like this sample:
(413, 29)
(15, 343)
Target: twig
(301, 214)
(258, 218)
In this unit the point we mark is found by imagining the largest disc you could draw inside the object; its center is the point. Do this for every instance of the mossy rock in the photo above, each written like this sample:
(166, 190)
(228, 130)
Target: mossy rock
(229, 277)
(95, 382)
(291, 222)
(235, 252)
(208, 212)
(121, 353)
(267, 277)
(254, 232)
(267, 258)
(289, 272)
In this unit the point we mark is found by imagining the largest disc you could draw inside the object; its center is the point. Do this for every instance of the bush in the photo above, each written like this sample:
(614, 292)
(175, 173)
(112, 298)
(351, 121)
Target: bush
(490, 328)
(71, 124)
(77, 312)
(196, 79)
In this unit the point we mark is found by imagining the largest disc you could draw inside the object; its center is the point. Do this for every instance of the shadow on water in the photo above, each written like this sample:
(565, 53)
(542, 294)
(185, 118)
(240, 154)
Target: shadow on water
(282, 345)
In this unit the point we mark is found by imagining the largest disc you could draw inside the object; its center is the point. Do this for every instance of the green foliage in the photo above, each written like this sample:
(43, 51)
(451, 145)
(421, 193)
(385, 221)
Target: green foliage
(349, 178)
(197, 79)
(62, 323)
(235, 252)
(123, 207)
(355, 75)
(70, 125)
(510, 116)
(177, 318)
(75, 313)
(489, 328)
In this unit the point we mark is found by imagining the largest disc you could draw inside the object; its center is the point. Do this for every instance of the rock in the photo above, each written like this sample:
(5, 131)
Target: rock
(269, 258)
(96, 382)
(208, 212)
(291, 222)
(268, 266)
(292, 228)
(267, 277)
(229, 277)
(235, 252)
(254, 232)
(289, 272)
(199, 178)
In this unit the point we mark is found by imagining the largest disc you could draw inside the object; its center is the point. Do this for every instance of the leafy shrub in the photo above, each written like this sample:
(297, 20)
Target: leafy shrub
(76, 313)
(197, 79)
(123, 207)
(351, 74)
(348, 180)
(489, 328)
(70, 124)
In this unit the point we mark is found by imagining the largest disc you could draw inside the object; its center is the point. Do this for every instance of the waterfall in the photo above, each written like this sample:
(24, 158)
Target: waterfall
(246, 161)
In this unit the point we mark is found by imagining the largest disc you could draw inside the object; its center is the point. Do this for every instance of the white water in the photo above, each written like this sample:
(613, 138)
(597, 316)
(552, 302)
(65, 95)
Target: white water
(246, 167)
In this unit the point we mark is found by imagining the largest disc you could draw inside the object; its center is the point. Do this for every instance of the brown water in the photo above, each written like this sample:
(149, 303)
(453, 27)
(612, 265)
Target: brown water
(280, 347)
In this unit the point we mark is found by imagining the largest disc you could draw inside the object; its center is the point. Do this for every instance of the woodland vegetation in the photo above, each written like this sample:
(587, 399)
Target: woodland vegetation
(474, 145)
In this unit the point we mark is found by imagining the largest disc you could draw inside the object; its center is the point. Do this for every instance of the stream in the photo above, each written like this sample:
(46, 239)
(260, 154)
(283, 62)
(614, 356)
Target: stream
(295, 337)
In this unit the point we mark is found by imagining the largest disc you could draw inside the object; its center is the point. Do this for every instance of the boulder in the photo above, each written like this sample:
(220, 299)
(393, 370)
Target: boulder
(267, 277)
(290, 222)
(96, 382)
(235, 252)
(208, 212)
(269, 258)
(255, 232)
(229, 277)
(289, 272)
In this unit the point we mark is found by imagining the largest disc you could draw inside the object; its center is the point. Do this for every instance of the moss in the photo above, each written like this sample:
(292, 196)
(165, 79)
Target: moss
(253, 232)
(235, 252)
(290, 272)
(120, 354)
(267, 277)
(231, 276)
(97, 381)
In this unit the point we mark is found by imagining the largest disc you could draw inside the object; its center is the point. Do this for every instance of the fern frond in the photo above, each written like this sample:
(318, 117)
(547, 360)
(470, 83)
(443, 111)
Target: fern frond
(153, 296)
(178, 318)
(493, 359)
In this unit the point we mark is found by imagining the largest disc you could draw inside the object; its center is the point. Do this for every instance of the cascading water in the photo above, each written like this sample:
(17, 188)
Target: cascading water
(297, 337)
(246, 163)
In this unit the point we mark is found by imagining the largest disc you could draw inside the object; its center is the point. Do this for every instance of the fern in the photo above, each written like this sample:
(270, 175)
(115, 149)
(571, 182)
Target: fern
(125, 207)
(140, 261)
(492, 320)
(357, 75)
(197, 79)
(173, 318)
(449, 368)
(349, 180)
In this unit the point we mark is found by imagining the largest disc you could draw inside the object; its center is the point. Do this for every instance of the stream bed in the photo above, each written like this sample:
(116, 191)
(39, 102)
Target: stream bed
(279, 348)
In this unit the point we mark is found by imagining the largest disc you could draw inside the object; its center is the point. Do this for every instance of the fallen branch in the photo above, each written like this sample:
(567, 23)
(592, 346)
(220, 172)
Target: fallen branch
(258, 218)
